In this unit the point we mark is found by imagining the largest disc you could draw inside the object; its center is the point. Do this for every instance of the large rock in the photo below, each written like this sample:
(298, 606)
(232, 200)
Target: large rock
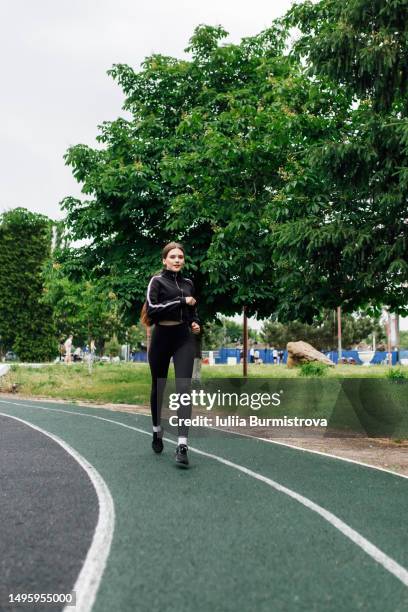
(302, 352)
(4, 368)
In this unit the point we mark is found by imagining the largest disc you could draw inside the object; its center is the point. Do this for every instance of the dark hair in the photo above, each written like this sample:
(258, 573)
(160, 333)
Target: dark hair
(169, 246)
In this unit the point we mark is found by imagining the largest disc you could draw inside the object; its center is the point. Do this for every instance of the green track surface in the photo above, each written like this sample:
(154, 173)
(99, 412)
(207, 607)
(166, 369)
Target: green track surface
(212, 538)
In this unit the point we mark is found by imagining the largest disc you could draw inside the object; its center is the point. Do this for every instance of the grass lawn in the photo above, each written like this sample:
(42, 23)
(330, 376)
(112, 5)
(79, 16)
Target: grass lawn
(129, 383)
(367, 399)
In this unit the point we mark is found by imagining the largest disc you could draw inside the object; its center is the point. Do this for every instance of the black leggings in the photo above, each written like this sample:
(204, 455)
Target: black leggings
(168, 341)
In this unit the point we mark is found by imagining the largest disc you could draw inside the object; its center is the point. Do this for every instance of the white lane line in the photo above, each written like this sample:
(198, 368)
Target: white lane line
(87, 583)
(308, 450)
(370, 549)
(269, 440)
(237, 433)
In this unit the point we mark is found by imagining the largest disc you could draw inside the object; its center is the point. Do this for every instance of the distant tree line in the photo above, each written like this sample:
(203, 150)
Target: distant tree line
(357, 328)
(322, 334)
(225, 332)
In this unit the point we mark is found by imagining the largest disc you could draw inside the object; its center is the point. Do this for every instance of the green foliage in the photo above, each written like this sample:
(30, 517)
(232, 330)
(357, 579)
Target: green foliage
(112, 348)
(199, 160)
(322, 334)
(136, 336)
(87, 309)
(404, 339)
(234, 332)
(340, 223)
(358, 44)
(223, 332)
(213, 335)
(259, 112)
(313, 369)
(26, 323)
(284, 175)
(396, 374)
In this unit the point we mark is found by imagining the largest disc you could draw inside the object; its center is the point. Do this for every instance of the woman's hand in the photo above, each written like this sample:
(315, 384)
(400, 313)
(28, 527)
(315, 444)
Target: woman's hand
(190, 301)
(195, 328)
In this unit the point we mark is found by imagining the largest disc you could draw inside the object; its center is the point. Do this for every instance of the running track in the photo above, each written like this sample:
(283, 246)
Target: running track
(250, 526)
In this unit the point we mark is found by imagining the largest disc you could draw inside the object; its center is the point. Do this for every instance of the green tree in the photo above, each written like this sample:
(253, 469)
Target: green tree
(136, 337)
(362, 46)
(26, 323)
(213, 335)
(200, 160)
(234, 332)
(87, 309)
(404, 339)
(257, 112)
(112, 347)
(223, 332)
(322, 334)
(338, 227)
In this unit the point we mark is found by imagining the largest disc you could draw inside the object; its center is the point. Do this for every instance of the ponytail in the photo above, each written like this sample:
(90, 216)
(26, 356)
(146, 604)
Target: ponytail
(144, 316)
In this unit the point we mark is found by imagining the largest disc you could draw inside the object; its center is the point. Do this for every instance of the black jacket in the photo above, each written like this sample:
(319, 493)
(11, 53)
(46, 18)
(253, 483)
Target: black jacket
(166, 298)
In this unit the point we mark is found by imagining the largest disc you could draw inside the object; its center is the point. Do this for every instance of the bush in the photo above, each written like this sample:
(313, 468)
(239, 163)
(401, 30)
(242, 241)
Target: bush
(112, 348)
(26, 322)
(396, 374)
(313, 368)
(38, 347)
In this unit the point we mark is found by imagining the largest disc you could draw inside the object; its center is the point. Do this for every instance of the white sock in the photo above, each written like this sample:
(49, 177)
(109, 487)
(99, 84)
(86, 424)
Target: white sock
(182, 440)
(156, 428)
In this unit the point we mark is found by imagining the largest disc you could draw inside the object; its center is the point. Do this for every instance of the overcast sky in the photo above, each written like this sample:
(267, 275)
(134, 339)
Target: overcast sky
(55, 90)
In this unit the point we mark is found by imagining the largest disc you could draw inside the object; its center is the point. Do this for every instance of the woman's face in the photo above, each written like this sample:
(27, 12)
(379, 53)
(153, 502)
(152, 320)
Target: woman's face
(174, 260)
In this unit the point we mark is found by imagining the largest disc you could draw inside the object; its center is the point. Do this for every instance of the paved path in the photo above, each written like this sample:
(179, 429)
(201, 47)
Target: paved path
(250, 526)
(48, 513)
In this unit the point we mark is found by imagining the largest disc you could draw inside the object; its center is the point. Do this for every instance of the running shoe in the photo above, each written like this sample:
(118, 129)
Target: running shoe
(181, 455)
(157, 442)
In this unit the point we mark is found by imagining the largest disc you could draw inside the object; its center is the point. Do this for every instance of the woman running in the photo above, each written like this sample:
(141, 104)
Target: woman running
(170, 305)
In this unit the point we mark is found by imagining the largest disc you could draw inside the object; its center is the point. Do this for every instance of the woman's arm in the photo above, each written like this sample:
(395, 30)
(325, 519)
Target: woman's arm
(195, 319)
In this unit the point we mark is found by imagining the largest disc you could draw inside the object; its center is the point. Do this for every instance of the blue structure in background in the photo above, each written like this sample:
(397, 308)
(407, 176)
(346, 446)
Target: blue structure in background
(138, 356)
(264, 354)
(378, 358)
(267, 357)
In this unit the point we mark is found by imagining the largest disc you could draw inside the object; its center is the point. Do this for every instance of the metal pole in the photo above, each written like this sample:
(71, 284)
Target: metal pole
(339, 346)
(245, 360)
(396, 336)
(388, 326)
